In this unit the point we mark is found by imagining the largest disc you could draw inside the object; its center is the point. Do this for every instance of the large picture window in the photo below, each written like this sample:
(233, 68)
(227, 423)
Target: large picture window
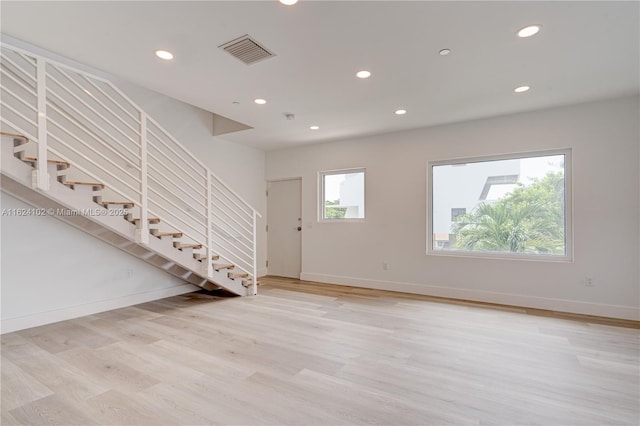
(511, 205)
(342, 195)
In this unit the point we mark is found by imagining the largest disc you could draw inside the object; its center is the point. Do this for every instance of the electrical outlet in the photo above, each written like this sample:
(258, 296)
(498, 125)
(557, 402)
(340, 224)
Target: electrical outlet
(385, 266)
(588, 281)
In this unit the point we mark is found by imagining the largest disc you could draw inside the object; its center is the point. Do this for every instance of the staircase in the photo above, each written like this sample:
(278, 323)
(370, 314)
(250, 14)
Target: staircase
(77, 148)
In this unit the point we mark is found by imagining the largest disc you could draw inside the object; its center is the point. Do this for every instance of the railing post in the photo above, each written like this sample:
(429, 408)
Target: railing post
(208, 266)
(142, 230)
(40, 176)
(254, 284)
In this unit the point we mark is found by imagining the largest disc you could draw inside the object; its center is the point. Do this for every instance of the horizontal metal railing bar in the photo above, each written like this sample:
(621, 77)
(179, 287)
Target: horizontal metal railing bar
(218, 220)
(167, 134)
(71, 79)
(117, 166)
(230, 210)
(9, 60)
(18, 129)
(163, 219)
(73, 69)
(174, 193)
(232, 258)
(239, 263)
(214, 192)
(228, 188)
(73, 95)
(237, 238)
(173, 174)
(19, 114)
(239, 224)
(203, 185)
(229, 234)
(135, 191)
(29, 89)
(29, 59)
(89, 120)
(180, 209)
(231, 242)
(234, 235)
(203, 171)
(203, 235)
(174, 185)
(25, 103)
(127, 197)
(106, 95)
(60, 64)
(93, 135)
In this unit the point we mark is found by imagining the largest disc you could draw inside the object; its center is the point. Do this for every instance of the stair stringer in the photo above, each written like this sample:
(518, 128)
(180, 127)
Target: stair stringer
(115, 230)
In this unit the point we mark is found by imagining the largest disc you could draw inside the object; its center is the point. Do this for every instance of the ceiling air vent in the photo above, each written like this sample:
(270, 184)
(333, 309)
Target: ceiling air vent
(247, 50)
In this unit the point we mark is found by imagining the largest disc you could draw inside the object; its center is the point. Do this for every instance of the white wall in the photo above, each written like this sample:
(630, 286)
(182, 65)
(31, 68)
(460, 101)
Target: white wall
(52, 271)
(604, 137)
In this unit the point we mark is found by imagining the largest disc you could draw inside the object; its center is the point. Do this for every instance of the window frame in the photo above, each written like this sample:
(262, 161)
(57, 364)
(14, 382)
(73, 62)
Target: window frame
(568, 214)
(321, 192)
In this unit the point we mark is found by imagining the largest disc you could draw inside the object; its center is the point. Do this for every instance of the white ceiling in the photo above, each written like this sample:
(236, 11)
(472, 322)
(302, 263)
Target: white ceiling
(586, 50)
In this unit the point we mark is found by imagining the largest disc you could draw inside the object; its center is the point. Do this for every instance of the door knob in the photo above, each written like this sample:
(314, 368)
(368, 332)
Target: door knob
(299, 228)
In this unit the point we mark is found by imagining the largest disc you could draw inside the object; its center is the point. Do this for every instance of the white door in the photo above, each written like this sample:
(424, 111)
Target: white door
(284, 232)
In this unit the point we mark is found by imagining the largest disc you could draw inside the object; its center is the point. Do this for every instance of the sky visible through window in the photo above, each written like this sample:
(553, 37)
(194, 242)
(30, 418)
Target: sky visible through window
(332, 186)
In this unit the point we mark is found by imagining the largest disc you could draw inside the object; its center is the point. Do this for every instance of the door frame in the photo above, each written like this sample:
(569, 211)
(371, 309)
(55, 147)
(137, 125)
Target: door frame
(269, 181)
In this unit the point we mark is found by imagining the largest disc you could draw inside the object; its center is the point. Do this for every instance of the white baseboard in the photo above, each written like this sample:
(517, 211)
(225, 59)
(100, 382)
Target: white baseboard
(9, 325)
(559, 305)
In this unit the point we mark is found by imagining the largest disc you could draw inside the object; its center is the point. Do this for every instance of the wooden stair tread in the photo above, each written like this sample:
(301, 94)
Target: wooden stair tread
(233, 276)
(167, 234)
(184, 246)
(124, 204)
(218, 267)
(34, 159)
(101, 185)
(200, 257)
(149, 219)
(15, 135)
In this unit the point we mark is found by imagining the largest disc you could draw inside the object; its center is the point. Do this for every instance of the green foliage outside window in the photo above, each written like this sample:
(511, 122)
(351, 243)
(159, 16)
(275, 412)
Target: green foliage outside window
(334, 212)
(528, 220)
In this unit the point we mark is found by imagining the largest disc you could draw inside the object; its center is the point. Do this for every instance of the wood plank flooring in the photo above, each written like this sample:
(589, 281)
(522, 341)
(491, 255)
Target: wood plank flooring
(315, 354)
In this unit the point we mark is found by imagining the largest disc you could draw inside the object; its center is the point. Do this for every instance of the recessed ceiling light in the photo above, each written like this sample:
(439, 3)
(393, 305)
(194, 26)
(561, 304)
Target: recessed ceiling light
(363, 74)
(521, 89)
(401, 111)
(444, 52)
(289, 2)
(163, 54)
(529, 31)
(260, 101)
(314, 127)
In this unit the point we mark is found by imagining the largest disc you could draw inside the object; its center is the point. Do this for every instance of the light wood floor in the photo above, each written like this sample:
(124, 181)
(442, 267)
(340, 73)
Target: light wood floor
(313, 354)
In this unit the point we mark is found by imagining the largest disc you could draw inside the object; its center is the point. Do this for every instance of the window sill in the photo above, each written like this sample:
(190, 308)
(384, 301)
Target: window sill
(501, 256)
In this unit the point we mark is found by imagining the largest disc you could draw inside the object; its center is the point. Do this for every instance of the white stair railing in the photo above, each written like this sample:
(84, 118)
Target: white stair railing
(87, 121)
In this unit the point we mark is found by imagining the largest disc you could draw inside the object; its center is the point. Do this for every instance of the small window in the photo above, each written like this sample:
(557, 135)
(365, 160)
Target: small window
(342, 195)
(511, 205)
